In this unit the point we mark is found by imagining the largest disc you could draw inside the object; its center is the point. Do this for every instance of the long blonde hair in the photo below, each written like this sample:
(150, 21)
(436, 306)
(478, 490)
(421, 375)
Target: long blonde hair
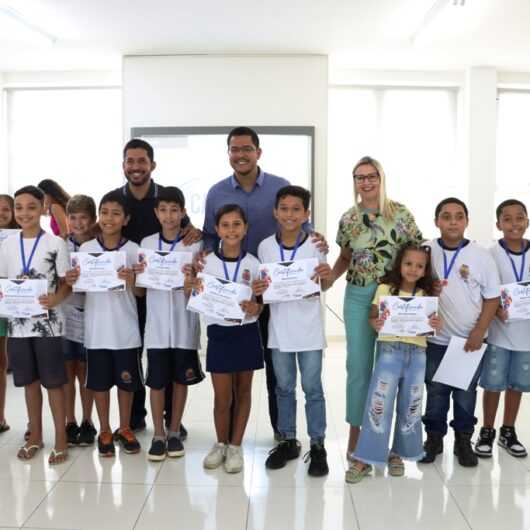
(386, 206)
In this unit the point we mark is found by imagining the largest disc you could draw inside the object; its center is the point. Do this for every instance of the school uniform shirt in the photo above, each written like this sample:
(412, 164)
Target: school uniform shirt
(168, 323)
(111, 319)
(248, 272)
(510, 335)
(298, 325)
(50, 262)
(474, 277)
(76, 300)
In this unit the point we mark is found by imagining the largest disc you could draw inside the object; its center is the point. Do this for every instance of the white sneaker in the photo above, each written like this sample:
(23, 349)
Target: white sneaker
(234, 459)
(215, 457)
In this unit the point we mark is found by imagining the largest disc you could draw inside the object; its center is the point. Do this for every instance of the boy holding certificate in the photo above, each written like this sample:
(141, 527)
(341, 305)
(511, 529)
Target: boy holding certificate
(35, 349)
(507, 356)
(171, 332)
(112, 336)
(296, 330)
(468, 302)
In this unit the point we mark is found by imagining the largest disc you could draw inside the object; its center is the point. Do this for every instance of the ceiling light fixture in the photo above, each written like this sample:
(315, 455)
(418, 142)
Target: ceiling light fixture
(21, 20)
(432, 14)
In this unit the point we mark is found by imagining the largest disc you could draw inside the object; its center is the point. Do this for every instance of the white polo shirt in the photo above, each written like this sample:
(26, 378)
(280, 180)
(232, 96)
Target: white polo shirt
(111, 319)
(474, 277)
(294, 326)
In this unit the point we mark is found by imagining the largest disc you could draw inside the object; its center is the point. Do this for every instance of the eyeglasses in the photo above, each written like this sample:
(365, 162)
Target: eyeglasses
(371, 178)
(233, 150)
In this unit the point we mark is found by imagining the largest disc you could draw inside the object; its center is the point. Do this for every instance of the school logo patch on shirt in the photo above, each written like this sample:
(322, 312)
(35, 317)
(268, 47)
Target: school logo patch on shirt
(464, 272)
(246, 275)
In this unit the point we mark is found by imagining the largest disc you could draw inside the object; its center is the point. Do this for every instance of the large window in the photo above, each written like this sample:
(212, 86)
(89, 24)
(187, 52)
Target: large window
(411, 131)
(73, 136)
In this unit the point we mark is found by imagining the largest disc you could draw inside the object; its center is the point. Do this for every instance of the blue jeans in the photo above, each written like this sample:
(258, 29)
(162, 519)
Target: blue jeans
(400, 370)
(310, 364)
(438, 396)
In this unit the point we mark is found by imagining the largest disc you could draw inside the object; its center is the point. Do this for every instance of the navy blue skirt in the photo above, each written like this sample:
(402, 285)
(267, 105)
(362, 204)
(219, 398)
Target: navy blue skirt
(234, 348)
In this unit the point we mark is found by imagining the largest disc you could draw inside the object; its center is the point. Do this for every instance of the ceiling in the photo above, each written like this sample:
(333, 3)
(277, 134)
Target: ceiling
(94, 34)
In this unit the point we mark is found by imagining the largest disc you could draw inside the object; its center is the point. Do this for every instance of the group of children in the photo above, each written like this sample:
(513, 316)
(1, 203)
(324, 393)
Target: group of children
(45, 351)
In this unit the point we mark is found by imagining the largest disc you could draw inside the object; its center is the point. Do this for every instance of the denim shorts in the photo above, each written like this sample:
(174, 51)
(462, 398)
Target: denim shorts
(504, 369)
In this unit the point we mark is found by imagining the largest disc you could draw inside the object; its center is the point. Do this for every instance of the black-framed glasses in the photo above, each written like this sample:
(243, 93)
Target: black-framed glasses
(371, 178)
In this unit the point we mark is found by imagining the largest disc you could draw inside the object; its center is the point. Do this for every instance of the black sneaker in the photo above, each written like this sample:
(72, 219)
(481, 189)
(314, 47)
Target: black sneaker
(127, 440)
(284, 451)
(434, 445)
(106, 444)
(318, 465)
(157, 452)
(175, 447)
(72, 434)
(183, 433)
(463, 450)
(508, 440)
(484, 444)
(87, 434)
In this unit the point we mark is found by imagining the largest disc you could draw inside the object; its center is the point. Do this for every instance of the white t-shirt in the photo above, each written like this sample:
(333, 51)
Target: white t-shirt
(474, 277)
(298, 325)
(111, 319)
(510, 335)
(248, 272)
(49, 262)
(74, 299)
(168, 324)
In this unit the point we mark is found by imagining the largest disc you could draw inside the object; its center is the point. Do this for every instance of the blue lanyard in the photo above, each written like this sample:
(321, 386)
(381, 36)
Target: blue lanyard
(120, 244)
(27, 266)
(234, 279)
(448, 269)
(172, 243)
(518, 275)
(74, 242)
(295, 249)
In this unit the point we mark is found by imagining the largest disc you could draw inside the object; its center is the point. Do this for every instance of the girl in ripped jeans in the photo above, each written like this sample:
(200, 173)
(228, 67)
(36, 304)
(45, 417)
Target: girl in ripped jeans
(399, 372)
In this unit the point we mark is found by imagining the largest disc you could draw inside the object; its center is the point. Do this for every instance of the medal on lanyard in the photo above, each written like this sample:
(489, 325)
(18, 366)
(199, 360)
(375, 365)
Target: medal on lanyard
(172, 243)
(449, 267)
(234, 279)
(26, 266)
(104, 248)
(295, 249)
(518, 275)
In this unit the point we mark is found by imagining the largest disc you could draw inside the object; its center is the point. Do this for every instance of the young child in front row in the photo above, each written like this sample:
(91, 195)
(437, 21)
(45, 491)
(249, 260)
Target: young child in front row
(35, 348)
(112, 336)
(171, 332)
(7, 221)
(296, 332)
(399, 371)
(468, 302)
(234, 351)
(507, 357)
(81, 217)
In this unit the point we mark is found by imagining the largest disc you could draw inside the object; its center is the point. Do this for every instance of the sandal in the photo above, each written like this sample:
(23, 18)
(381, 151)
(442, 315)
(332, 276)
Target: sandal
(4, 426)
(57, 457)
(356, 474)
(396, 467)
(27, 452)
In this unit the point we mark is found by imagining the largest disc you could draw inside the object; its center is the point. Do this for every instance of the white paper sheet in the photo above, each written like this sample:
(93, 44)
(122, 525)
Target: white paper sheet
(458, 366)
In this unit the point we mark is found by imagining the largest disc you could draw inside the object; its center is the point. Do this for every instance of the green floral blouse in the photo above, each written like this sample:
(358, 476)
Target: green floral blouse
(374, 242)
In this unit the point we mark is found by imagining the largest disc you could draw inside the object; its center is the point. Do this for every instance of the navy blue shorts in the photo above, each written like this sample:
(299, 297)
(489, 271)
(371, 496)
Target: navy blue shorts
(176, 365)
(73, 351)
(106, 368)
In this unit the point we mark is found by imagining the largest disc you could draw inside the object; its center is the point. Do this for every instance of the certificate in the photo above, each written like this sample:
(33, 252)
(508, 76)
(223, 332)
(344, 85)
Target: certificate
(515, 298)
(6, 232)
(407, 316)
(163, 269)
(289, 280)
(74, 317)
(458, 366)
(218, 298)
(20, 298)
(99, 271)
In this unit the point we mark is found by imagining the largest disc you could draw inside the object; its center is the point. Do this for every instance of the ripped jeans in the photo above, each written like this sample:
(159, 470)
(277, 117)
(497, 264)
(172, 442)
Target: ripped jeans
(400, 370)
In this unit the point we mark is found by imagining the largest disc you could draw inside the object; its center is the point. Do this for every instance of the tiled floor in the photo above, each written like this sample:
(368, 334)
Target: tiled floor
(129, 492)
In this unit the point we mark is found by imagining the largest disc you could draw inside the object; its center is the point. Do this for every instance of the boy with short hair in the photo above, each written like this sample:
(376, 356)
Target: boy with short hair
(508, 353)
(171, 332)
(81, 217)
(35, 348)
(467, 303)
(112, 336)
(296, 332)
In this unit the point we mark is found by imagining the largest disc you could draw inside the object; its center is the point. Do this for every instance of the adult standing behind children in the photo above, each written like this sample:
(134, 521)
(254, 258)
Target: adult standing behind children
(55, 200)
(370, 234)
(255, 191)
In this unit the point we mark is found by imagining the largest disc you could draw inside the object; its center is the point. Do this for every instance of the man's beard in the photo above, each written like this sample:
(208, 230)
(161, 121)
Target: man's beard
(137, 184)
